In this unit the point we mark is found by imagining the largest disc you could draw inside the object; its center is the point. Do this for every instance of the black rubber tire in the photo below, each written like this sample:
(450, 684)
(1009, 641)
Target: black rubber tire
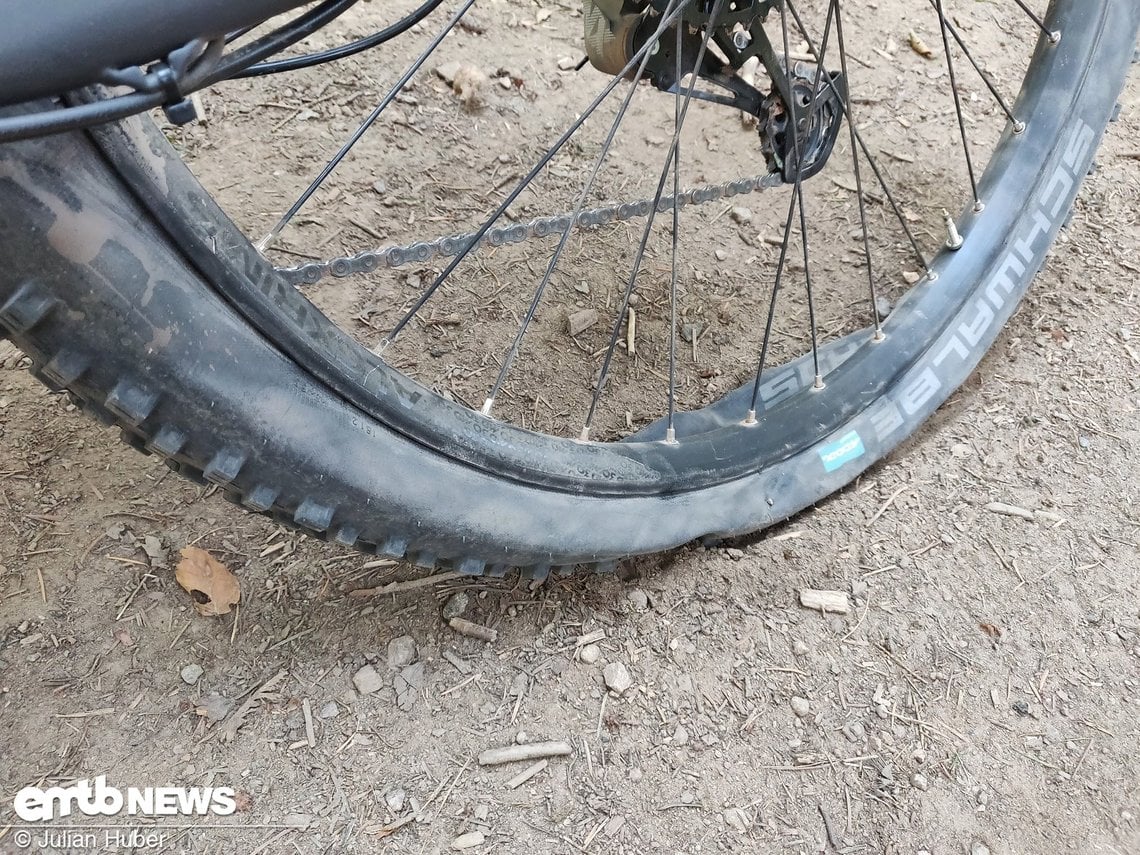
(126, 285)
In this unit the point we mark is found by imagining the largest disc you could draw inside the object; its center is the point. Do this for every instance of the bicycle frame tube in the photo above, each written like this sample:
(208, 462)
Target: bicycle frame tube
(52, 46)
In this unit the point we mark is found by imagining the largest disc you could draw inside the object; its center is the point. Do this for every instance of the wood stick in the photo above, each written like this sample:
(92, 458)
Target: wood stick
(530, 751)
(530, 771)
(409, 585)
(473, 630)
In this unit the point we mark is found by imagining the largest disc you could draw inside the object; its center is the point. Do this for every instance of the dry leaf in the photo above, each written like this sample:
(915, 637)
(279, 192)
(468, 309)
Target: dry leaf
(124, 638)
(919, 46)
(989, 629)
(214, 588)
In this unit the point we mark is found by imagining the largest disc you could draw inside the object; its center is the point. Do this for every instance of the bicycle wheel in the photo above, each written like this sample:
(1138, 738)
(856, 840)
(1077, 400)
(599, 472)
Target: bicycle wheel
(127, 284)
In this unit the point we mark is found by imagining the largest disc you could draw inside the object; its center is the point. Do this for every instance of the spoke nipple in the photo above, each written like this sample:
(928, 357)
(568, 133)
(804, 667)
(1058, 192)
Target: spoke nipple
(263, 244)
(879, 335)
(382, 346)
(931, 275)
(818, 384)
(670, 436)
(584, 436)
(979, 206)
(750, 419)
(486, 409)
(1055, 37)
(1018, 127)
(953, 238)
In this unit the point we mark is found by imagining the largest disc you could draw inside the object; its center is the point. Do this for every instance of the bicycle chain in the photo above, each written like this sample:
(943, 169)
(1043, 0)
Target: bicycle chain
(422, 252)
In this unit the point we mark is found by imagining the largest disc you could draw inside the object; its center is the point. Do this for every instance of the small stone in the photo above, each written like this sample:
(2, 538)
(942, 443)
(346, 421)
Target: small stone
(468, 841)
(736, 819)
(919, 782)
(582, 320)
(567, 63)
(408, 684)
(855, 732)
(591, 654)
(734, 553)
(979, 848)
(395, 800)
(721, 255)
(691, 332)
(635, 774)
(799, 648)
(215, 707)
(191, 674)
(482, 812)
(800, 706)
(447, 72)
(638, 599)
(367, 680)
(680, 736)
(401, 651)
(582, 286)
(456, 605)
(741, 216)
(911, 277)
(617, 678)
(329, 710)
(380, 186)
(918, 756)
(522, 738)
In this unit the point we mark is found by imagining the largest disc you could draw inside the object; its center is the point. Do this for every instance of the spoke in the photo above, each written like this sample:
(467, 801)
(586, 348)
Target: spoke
(478, 236)
(958, 105)
(918, 253)
(670, 430)
(750, 419)
(1018, 125)
(820, 74)
(858, 178)
(509, 359)
(622, 312)
(1054, 36)
(362, 129)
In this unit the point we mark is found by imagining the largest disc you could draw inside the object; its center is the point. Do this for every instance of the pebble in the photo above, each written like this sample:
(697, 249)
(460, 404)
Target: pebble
(721, 255)
(482, 812)
(855, 732)
(522, 738)
(638, 599)
(734, 553)
(456, 605)
(800, 706)
(582, 286)
(395, 800)
(590, 654)
(736, 819)
(191, 674)
(799, 648)
(329, 710)
(919, 782)
(380, 186)
(635, 774)
(979, 848)
(401, 651)
(680, 736)
(581, 321)
(367, 680)
(617, 677)
(468, 841)
(741, 216)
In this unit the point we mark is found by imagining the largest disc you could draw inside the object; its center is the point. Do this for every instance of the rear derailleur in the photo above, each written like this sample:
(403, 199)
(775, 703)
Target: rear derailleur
(617, 29)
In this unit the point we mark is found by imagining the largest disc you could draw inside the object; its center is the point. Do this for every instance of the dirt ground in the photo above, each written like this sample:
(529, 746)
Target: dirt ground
(981, 695)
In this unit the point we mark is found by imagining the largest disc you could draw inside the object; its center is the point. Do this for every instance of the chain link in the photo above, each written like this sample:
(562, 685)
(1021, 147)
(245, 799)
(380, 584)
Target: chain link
(421, 252)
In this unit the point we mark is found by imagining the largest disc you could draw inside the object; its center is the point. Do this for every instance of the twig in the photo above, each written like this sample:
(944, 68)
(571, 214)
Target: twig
(530, 751)
(526, 774)
(882, 510)
(473, 630)
(409, 585)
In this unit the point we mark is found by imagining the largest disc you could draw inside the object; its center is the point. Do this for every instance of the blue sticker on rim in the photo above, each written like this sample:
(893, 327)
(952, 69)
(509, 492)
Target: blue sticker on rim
(845, 449)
